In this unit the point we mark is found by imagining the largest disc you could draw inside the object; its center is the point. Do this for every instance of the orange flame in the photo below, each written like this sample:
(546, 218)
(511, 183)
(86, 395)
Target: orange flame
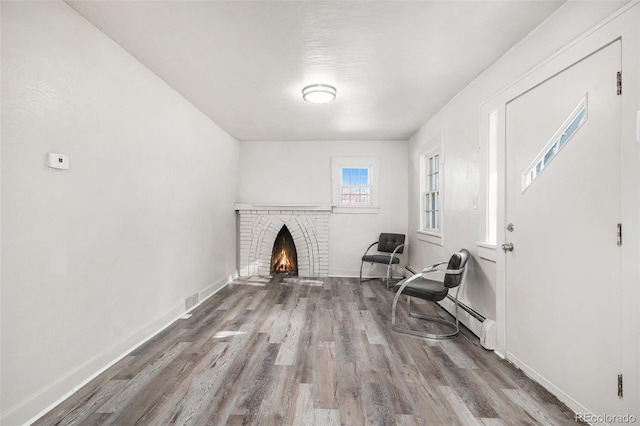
(282, 264)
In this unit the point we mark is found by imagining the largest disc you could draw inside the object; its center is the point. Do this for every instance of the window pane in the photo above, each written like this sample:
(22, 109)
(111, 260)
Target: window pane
(346, 174)
(364, 176)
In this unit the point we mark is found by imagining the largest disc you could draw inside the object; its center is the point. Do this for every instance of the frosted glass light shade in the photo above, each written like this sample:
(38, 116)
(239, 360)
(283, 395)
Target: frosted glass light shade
(319, 93)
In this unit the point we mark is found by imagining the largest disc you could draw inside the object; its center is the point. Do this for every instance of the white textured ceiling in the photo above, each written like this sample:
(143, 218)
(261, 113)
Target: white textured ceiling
(244, 63)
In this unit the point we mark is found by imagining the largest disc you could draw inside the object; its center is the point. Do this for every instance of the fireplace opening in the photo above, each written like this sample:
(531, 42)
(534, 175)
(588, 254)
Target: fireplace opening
(284, 258)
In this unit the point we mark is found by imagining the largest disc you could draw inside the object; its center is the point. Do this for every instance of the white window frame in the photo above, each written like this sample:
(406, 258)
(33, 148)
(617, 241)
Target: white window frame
(491, 136)
(431, 235)
(491, 219)
(430, 220)
(372, 164)
(361, 190)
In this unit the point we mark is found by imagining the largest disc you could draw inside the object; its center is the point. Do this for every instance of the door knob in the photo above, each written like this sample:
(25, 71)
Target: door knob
(507, 247)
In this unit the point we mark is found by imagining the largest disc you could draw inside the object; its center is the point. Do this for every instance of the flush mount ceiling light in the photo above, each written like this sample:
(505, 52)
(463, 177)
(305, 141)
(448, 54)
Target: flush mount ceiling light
(319, 93)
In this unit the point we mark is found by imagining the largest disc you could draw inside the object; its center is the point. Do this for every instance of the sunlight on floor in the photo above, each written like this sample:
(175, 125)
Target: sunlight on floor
(227, 333)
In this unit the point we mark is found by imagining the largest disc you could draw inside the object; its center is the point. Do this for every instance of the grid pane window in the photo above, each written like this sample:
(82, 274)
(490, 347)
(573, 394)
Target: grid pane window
(431, 194)
(356, 187)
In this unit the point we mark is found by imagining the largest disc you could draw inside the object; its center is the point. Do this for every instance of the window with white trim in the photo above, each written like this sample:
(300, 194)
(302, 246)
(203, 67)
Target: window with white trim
(431, 204)
(355, 184)
(491, 132)
(491, 229)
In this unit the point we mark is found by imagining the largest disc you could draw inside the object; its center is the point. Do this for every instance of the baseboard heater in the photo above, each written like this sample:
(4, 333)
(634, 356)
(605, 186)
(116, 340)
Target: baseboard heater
(481, 326)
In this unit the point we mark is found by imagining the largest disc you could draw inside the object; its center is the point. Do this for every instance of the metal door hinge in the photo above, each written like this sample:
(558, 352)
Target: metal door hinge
(619, 82)
(619, 385)
(619, 234)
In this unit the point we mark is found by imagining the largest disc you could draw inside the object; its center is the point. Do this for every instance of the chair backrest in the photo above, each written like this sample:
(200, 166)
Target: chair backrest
(457, 262)
(388, 242)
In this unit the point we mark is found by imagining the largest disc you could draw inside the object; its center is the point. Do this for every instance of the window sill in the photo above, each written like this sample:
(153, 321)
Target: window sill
(430, 237)
(355, 210)
(487, 251)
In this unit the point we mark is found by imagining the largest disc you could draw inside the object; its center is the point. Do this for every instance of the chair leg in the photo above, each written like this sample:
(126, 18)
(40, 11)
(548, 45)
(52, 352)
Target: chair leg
(388, 276)
(432, 336)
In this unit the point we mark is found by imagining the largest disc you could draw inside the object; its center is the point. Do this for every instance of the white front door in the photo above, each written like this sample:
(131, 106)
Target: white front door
(563, 199)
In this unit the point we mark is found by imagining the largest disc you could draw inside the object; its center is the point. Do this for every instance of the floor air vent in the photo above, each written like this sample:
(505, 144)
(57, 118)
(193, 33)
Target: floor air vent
(191, 301)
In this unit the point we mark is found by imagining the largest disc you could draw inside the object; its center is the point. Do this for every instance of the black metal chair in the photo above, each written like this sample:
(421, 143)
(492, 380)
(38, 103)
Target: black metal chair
(419, 286)
(389, 245)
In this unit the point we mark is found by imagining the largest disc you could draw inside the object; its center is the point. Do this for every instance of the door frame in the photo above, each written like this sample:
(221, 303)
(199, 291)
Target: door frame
(624, 25)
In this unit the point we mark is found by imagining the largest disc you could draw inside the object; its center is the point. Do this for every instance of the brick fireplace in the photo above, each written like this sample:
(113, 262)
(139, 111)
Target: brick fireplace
(260, 224)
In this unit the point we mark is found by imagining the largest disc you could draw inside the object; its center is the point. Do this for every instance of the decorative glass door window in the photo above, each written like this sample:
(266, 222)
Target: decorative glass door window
(569, 128)
(355, 186)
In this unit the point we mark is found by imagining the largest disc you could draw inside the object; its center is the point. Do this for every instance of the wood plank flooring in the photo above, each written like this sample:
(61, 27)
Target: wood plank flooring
(301, 351)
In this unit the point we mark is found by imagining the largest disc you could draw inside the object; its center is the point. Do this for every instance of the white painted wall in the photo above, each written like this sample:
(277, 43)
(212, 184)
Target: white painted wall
(300, 172)
(99, 257)
(459, 121)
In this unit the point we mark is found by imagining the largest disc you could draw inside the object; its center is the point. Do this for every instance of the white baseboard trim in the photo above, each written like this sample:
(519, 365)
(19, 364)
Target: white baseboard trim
(213, 288)
(91, 369)
(556, 391)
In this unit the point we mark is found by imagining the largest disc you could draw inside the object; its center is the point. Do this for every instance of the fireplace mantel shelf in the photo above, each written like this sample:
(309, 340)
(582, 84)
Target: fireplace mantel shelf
(284, 206)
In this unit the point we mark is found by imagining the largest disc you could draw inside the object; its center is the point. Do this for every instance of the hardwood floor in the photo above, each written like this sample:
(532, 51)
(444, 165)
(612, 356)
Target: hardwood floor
(281, 351)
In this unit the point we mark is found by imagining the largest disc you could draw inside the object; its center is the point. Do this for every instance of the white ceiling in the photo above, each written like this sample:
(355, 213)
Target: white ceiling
(244, 63)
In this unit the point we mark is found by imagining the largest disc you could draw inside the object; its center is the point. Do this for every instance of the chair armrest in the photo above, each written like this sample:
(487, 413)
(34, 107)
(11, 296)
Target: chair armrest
(446, 271)
(396, 249)
(393, 254)
(369, 248)
(434, 268)
(431, 268)
(405, 284)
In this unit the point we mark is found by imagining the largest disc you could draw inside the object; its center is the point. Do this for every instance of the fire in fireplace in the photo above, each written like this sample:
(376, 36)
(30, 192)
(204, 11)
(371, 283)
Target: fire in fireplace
(284, 258)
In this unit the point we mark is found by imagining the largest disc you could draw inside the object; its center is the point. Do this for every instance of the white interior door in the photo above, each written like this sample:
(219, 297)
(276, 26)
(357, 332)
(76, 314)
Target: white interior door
(563, 198)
